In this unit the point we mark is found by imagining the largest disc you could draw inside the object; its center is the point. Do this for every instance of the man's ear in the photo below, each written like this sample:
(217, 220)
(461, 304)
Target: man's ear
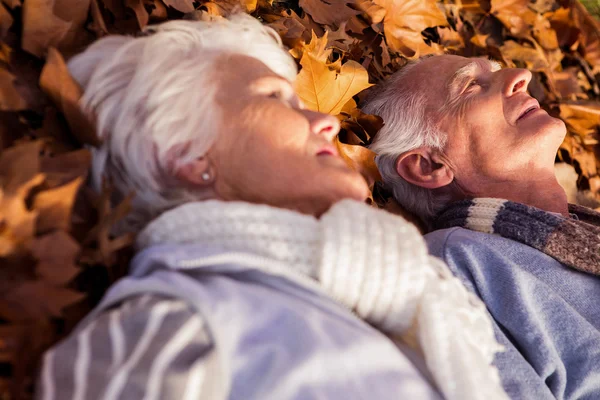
(200, 172)
(423, 167)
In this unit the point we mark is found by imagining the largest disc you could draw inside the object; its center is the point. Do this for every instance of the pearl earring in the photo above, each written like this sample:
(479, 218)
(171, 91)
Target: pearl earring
(205, 176)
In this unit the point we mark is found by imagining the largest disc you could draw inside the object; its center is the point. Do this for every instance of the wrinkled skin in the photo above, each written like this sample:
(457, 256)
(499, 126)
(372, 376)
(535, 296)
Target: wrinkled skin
(494, 148)
(270, 149)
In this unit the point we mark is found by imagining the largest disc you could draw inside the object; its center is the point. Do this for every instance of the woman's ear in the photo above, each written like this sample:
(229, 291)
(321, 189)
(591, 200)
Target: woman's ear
(424, 168)
(199, 172)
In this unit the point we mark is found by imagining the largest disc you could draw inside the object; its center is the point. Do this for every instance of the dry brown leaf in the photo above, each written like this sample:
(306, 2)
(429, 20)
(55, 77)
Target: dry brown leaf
(54, 23)
(590, 35)
(12, 3)
(535, 59)
(56, 254)
(6, 21)
(41, 28)
(515, 15)
(40, 300)
(65, 167)
(98, 25)
(185, 6)
(563, 24)
(159, 12)
(567, 83)
(141, 14)
(54, 207)
(340, 39)
(405, 19)
(325, 86)
(10, 97)
(329, 12)
(58, 84)
(293, 34)
(449, 38)
(581, 117)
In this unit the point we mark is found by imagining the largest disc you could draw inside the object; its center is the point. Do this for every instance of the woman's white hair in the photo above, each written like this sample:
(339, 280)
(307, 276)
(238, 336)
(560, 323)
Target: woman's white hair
(152, 100)
(406, 127)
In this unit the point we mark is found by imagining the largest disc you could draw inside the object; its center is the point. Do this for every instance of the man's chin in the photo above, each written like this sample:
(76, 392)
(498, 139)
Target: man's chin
(547, 126)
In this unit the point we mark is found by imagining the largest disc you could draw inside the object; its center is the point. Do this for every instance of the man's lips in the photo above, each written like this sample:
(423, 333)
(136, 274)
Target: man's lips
(528, 108)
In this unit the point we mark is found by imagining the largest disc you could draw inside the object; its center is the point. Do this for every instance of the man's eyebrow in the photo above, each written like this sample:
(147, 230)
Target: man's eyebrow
(468, 71)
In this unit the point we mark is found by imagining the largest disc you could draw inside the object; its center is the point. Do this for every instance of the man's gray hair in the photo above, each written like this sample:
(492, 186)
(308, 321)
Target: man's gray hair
(407, 126)
(152, 100)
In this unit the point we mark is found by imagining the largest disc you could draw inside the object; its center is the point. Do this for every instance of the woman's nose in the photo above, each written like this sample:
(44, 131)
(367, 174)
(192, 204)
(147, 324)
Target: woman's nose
(516, 80)
(323, 124)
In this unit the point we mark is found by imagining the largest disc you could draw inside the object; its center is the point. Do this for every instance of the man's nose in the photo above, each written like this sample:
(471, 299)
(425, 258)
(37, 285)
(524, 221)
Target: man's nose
(323, 124)
(516, 80)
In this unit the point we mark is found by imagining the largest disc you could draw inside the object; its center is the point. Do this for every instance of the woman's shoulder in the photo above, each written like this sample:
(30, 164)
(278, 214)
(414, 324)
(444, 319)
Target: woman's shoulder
(125, 349)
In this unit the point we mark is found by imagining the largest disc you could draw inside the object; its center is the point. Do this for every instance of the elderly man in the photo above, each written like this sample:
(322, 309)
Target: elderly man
(468, 150)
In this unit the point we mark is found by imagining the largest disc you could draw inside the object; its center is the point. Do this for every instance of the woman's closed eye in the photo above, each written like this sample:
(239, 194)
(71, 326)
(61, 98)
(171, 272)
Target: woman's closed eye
(276, 94)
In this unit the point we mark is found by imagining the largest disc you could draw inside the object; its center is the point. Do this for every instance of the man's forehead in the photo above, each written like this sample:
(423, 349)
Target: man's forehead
(435, 75)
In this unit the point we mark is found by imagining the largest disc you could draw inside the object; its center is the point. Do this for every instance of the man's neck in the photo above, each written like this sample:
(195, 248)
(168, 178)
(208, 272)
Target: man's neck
(543, 193)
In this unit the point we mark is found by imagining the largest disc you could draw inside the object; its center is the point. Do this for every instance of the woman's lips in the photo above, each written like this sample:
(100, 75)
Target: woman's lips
(328, 151)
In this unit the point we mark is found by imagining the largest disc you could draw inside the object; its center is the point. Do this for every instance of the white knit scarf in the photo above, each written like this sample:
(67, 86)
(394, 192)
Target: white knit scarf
(372, 262)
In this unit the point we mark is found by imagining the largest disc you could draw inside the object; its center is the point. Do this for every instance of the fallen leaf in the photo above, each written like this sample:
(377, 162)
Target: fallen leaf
(6, 21)
(65, 167)
(340, 39)
(567, 83)
(54, 206)
(374, 12)
(40, 300)
(515, 15)
(581, 117)
(54, 23)
(325, 86)
(360, 159)
(589, 37)
(405, 19)
(329, 12)
(185, 6)
(12, 4)
(159, 12)
(138, 8)
(64, 91)
(533, 58)
(10, 97)
(98, 24)
(56, 254)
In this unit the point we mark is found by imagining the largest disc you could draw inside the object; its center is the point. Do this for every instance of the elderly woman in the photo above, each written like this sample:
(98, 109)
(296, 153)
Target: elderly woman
(260, 273)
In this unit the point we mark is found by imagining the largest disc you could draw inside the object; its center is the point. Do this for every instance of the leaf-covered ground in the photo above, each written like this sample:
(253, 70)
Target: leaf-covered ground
(56, 254)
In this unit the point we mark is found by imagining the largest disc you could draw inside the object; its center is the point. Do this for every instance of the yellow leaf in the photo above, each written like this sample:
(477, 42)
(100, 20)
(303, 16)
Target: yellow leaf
(515, 15)
(324, 86)
(360, 159)
(405, 19)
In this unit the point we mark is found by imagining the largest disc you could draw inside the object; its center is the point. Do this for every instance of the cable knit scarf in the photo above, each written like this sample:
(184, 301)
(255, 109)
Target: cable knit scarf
(575, 242)
(372, 262)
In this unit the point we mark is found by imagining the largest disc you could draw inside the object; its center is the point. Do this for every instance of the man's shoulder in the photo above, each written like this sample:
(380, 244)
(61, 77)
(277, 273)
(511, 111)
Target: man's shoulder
(445, 242)
(463, 249)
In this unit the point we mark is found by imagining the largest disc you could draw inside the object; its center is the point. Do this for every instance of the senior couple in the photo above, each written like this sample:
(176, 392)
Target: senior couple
(261, 274)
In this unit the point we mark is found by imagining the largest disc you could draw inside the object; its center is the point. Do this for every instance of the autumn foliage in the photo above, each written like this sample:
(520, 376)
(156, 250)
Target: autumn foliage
(56, 253)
